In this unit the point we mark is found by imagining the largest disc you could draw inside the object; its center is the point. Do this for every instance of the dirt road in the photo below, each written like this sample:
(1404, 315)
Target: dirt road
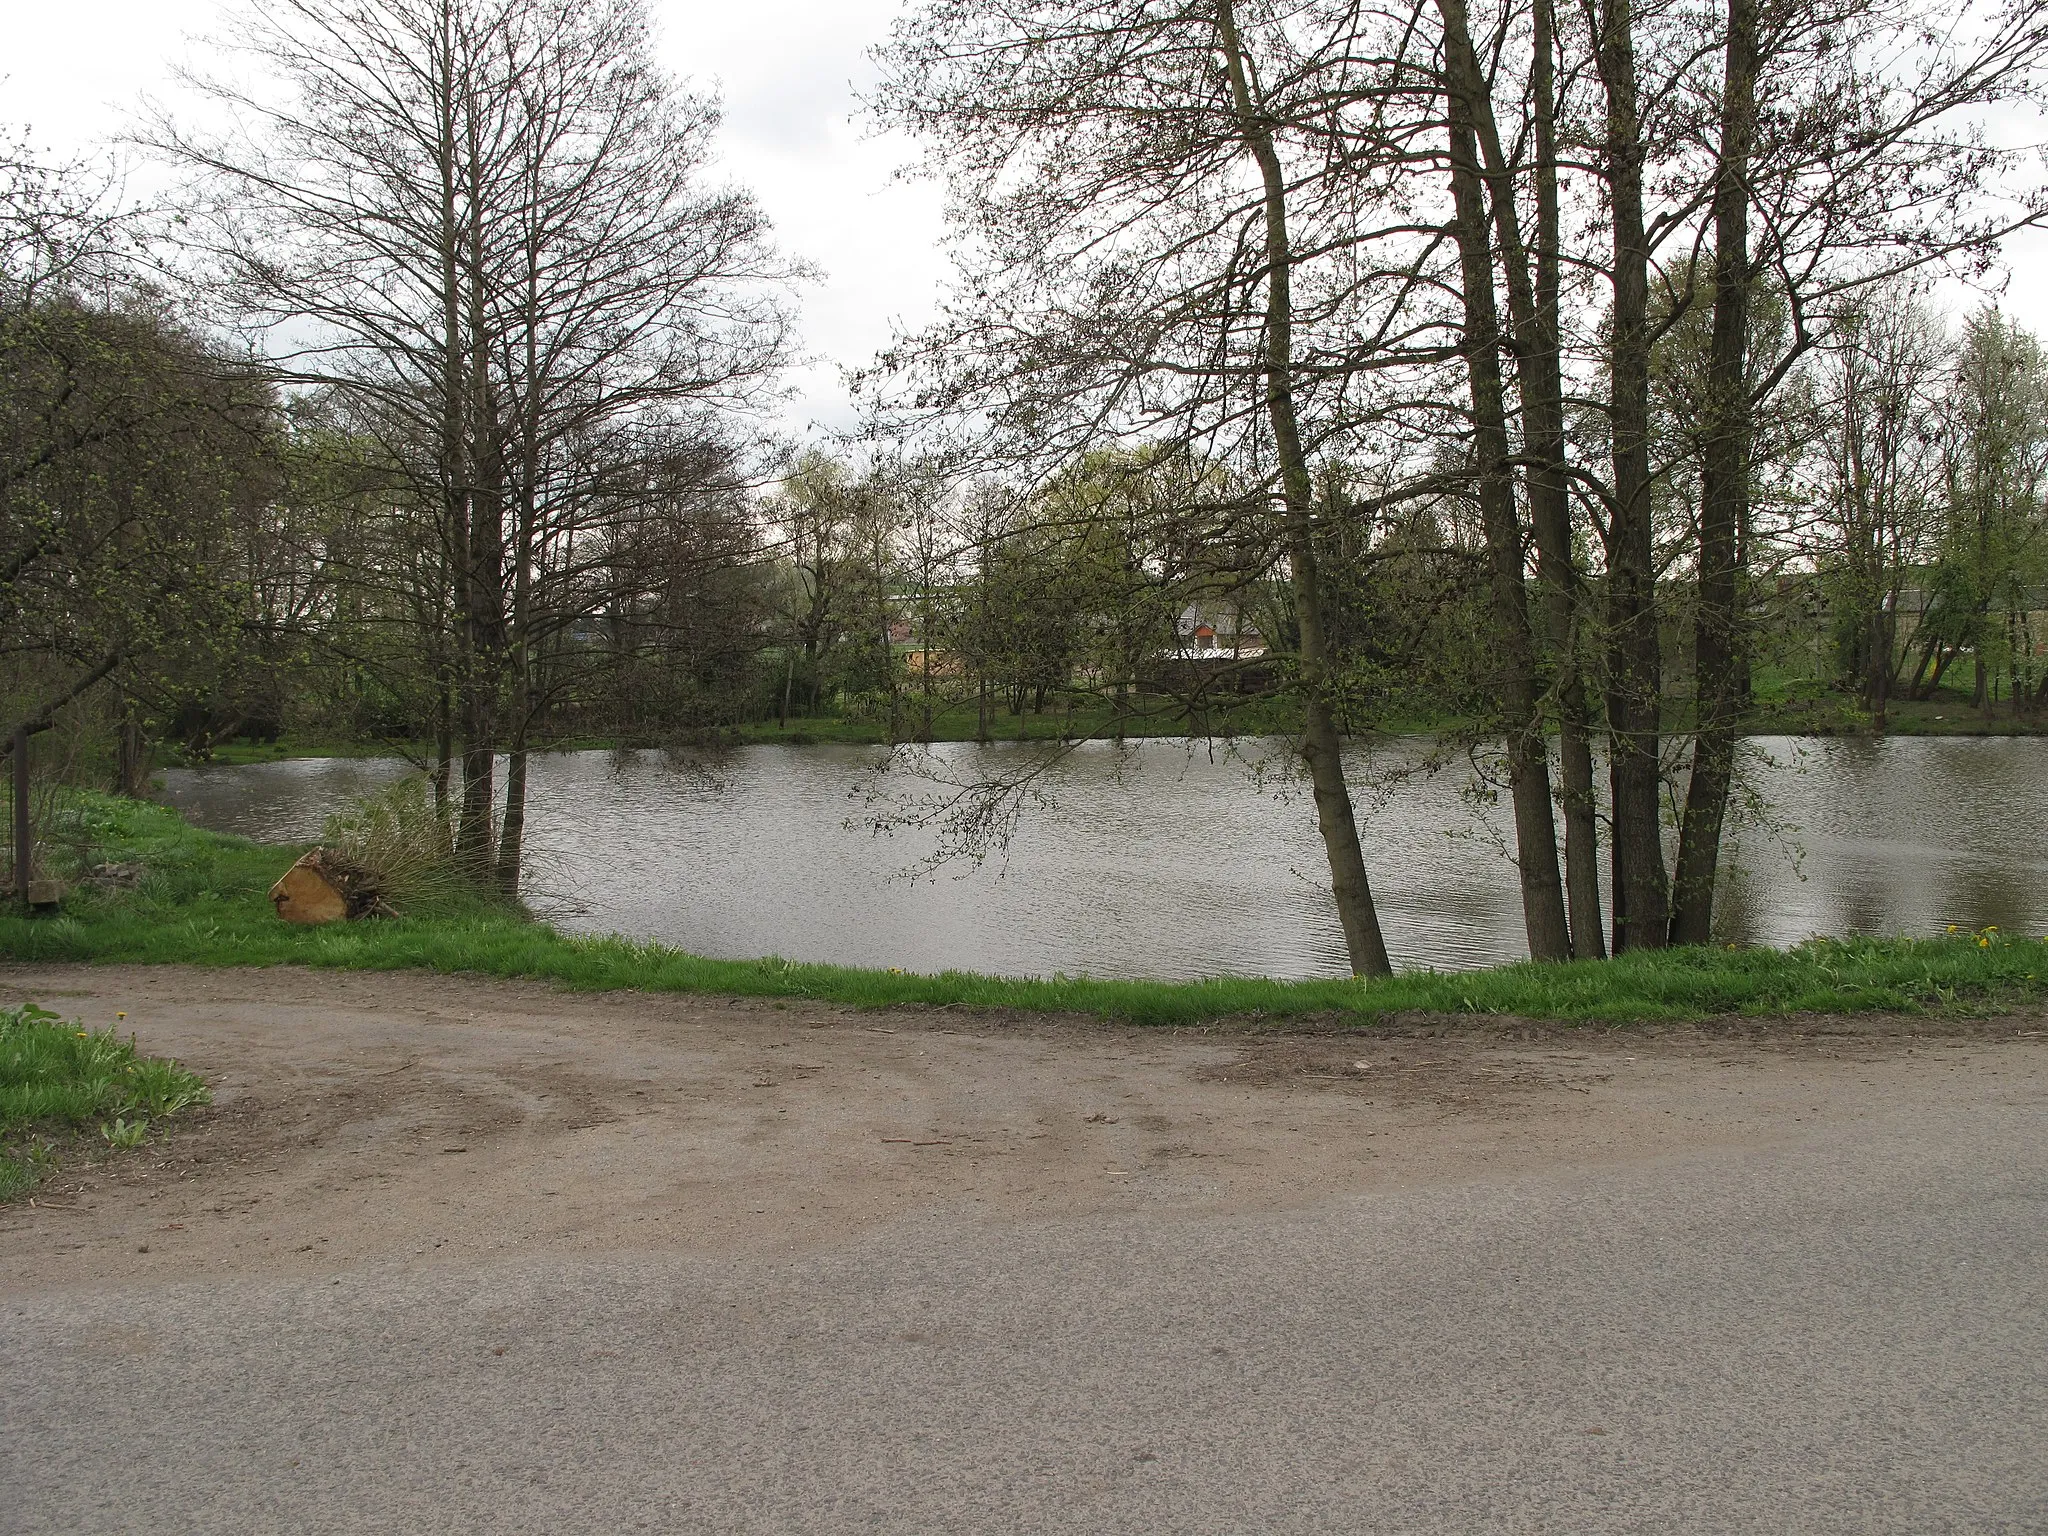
(501, 1157)
(364, 1116)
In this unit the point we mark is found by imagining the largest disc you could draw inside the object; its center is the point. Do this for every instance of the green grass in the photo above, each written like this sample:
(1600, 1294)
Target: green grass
(242, 752)
(202, 902)
(1790, 705)
(58, 1079)
(1148, 717)
(1786, 704)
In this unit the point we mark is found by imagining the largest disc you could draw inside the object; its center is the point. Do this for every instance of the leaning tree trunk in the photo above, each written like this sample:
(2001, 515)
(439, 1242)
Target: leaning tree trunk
(1543, 911)
(1721, 689)
(1321, 746)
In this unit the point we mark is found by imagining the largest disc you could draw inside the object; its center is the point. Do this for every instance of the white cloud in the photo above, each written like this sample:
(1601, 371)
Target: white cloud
(788, 71)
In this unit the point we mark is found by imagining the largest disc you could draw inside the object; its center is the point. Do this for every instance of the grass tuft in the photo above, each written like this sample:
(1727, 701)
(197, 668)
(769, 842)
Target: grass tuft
(407, 849)
(57, 1078)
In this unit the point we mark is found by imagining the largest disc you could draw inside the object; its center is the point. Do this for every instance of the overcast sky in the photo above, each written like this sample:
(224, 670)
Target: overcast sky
(72, 71)
(788, 69)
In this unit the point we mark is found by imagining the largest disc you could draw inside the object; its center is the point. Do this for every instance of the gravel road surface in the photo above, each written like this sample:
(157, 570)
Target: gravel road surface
(456, 1256)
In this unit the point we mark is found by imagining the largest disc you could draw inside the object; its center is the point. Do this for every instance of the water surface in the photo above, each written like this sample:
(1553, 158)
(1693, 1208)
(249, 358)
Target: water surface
(1166, 860)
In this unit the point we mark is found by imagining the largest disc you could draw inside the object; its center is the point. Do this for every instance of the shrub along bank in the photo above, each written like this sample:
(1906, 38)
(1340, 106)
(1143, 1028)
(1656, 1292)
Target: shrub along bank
(199, 899)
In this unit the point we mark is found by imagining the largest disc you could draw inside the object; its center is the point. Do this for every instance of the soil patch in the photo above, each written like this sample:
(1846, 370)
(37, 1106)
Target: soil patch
(376, 1117)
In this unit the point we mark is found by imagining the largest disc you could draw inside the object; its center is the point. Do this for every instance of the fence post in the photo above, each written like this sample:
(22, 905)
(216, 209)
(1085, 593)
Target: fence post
(24, 840)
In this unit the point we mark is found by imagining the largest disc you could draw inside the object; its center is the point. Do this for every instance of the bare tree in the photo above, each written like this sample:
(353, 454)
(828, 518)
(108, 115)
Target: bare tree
(485, 221)
(1178, 254)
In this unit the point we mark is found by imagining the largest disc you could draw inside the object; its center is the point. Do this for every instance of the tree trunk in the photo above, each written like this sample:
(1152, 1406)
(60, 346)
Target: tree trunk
(924, 659)
(457, 461)
(1634, 661)
(485, 447)
(132, 768)
(1321, 747)
(475, 835)
(1543, 911)
(444, 749)
(1877, 671)
(1533, 308)
(512, 836)
(1914, 690)
(24, 830)
(1948, 654)
(1721, 672)
(1551, 516)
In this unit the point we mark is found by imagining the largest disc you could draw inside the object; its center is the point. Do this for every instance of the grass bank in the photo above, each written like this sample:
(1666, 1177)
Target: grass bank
(200, 901)
(59, 1082)
(1150, 717)
(1787, 705)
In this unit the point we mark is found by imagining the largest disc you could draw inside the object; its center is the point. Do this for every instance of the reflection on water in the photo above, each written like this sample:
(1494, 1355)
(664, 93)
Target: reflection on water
(1165, 861)
(1894, 836)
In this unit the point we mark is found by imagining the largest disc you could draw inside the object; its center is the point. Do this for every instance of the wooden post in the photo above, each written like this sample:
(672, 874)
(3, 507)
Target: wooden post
(129, 774)
(24, 841)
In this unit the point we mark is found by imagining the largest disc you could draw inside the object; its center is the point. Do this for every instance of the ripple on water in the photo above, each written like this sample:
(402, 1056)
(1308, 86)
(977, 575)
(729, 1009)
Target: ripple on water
(1167, 862)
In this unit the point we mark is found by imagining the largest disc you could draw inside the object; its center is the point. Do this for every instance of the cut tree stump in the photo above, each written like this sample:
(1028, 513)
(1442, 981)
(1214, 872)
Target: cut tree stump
(325, 887)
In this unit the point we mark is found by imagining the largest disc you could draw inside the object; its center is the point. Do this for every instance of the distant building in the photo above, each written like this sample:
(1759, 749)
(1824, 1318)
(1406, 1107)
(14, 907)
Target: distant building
(1217, 647)
(1215, 630)
(932, 663)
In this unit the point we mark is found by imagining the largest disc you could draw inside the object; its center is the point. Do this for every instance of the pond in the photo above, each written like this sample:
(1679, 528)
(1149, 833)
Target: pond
(1169, 860)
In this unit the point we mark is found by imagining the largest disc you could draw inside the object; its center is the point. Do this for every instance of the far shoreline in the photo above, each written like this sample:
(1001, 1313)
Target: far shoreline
(835, 732)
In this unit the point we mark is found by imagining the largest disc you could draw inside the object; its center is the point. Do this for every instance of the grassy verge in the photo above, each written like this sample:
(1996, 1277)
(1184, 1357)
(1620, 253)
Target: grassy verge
(201, 902)
(1150, 716)
(243, 752)
(1806, 706)
(60, 1081)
